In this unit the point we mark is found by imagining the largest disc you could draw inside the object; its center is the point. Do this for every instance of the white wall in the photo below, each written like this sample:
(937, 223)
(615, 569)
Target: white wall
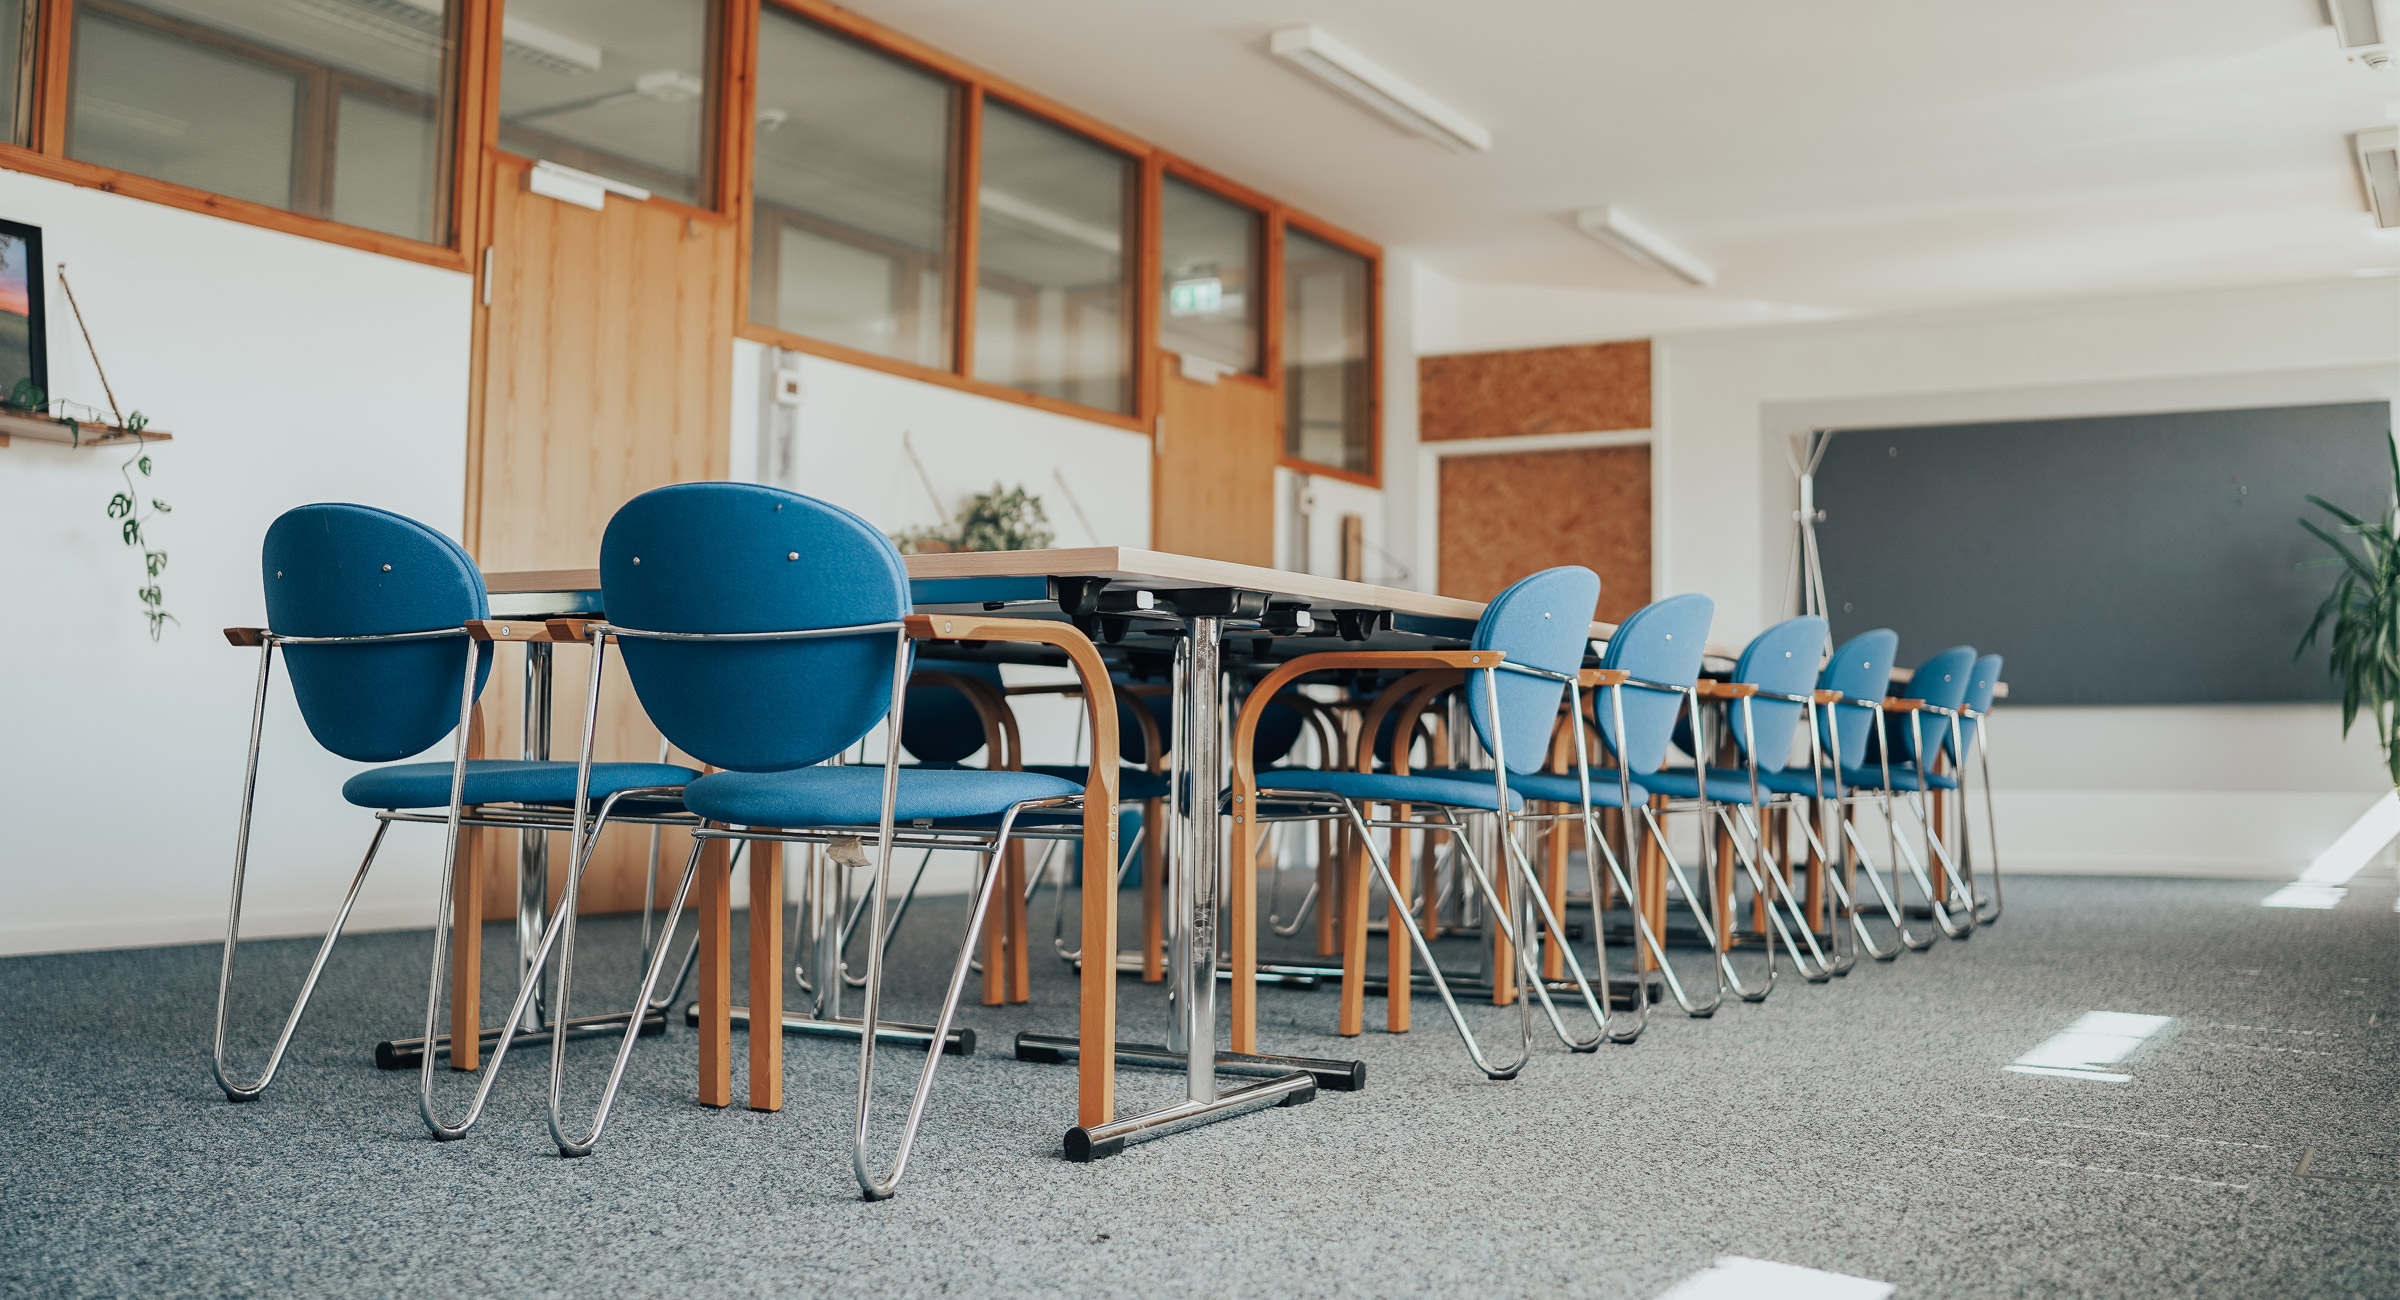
(290, 371)
(2249, 790)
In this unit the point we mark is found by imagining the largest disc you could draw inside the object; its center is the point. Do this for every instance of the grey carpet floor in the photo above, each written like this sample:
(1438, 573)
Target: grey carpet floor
(1865, 1126)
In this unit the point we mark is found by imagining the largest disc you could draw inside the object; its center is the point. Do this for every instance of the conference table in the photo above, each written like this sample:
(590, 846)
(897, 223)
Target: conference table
(1193, 621)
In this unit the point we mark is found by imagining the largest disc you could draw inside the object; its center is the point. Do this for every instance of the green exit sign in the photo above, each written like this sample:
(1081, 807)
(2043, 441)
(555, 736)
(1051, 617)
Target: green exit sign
(1196, 297)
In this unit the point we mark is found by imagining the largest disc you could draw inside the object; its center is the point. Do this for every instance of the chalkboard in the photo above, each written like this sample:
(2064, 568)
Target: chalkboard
(2144, 559)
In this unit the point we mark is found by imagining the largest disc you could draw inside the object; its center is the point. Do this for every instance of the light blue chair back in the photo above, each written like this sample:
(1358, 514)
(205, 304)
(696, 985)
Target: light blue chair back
(1981, 685)
(1861, 670)
(347, 570)
(1782, 659)
(739, 557)
(1941, 681)
(1661, 642)
(940, 725)
(1543, 620)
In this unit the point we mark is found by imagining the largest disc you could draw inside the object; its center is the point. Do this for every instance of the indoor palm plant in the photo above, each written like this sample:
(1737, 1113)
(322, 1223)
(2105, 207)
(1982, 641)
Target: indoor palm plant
(2361, 616)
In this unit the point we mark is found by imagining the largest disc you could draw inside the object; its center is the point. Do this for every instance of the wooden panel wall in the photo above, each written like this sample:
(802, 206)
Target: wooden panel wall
(1505, 515)
(606, 352)
(1583, 389)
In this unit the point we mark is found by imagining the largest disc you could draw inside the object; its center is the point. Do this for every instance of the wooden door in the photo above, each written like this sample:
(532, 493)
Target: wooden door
(1212, 481)
(604, 354)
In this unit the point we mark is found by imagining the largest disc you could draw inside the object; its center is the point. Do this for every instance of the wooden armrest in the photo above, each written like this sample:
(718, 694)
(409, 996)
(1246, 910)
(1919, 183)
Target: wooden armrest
(570, 629)
(1605, 677)
(512, 629)
(1826, 696)
(1895, 705)
(1727, 690)
(1100, 787)
(245, 636)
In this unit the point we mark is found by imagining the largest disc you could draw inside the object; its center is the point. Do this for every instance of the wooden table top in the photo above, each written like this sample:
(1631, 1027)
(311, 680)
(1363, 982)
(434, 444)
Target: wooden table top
(1126, 564)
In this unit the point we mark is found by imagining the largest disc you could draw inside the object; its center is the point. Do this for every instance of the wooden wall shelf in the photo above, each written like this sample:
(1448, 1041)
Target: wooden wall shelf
(88, 433)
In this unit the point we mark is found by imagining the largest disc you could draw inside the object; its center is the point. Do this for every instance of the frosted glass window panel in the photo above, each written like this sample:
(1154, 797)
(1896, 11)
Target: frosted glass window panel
(620, 88)
(13, 75)
(1209, 300)
(1054, 231)
(854, 150)
(332, 108)
(148, 103)
(384, 163)
(1328, 384)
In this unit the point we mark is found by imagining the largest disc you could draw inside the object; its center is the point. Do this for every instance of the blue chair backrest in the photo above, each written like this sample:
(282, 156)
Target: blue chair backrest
(1981, 684)
(1661, 642)
(1940, 681)
(345, 570)
(1279, 726)
(739, 557)
(1132, 746)
(1782, 659)
(1543, 620)
(941, 724)
(1861, 670)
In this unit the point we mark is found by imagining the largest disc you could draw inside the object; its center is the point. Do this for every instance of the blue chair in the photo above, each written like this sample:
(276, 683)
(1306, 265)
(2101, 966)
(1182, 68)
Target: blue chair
(1970, 733)
(766, 632)
(1902, 771)
(1764, 702)
(381, 623)
(1525, 653)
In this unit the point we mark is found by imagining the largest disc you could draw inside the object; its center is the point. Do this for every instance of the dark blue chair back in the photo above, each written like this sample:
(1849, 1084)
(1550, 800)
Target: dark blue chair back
(1942, 682)
(1279, 726)
(1861, 670)
(739, 557)
(345, 570)
(1132, 746)
(940, 725)
(1981, 684)
(1543, 620)
(1661, 642)
(1782, 659)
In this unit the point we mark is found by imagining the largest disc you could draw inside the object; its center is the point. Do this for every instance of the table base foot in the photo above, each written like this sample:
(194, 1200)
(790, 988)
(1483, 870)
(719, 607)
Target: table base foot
(961, 1041)
(1099, 1142)
(1333, 1075)
(409, 1053)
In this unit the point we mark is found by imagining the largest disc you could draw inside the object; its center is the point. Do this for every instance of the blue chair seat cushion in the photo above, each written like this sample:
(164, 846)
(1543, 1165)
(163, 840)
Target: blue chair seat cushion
(1383, 787)
(1550, 787)
(1133, 783)
(1725, 784)
(501, 780)
(810, 797)
(1904, 777)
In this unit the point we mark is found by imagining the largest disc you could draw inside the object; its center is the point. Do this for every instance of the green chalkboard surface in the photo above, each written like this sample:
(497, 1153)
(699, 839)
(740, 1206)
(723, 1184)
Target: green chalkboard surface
(2143, 559)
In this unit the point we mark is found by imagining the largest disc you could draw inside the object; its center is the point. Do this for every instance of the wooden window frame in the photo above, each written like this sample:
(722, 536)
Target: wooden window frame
(1153, 165)
(1373, 254)
(46, 154)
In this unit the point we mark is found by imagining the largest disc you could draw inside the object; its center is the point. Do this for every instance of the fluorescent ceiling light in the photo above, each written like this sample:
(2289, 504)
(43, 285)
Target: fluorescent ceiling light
(2378, 154)
(2096, 1039)
(1371, 84)
(2367, 29)
(535, 44)
(1045, 218)
(1609, 224)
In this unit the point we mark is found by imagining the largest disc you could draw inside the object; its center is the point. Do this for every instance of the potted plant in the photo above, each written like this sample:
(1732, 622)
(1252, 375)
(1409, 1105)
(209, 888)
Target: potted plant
(1003, 519)
(2361, 616)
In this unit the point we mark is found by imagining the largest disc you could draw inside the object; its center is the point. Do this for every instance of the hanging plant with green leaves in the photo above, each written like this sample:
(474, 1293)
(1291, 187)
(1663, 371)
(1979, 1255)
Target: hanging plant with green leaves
(1003, 519)
(2361, 617)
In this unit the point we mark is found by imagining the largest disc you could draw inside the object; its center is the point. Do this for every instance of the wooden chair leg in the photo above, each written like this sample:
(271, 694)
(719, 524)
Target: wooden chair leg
(1333, 848)
(1429, 870)
(1354, 937)
(1154, 870)
(766, 975)
(1554, 884)
(1504, 954)
(714, 912)
(1651, 883)
(466, 953)
(1397, 974)
(1819, 918)
(1721, 913)
(1020, 967)
(995, 939)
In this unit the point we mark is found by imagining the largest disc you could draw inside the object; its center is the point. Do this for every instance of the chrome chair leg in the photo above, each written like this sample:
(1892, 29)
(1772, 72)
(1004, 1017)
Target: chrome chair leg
(568, 1146)
(1750, 853)
(1991, 821)
(1391, 889)
(238, 1091)
(1595, 1004)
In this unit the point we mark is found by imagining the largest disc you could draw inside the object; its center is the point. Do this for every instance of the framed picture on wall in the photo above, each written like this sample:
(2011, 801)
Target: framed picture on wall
(24, 334)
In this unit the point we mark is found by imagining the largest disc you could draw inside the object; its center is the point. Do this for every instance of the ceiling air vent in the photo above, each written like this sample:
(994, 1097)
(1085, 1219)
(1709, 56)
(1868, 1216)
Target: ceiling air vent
(2366, 29)
(2379, 167)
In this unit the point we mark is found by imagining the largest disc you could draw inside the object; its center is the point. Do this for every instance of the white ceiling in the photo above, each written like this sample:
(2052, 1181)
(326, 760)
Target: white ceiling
(1849, 155)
